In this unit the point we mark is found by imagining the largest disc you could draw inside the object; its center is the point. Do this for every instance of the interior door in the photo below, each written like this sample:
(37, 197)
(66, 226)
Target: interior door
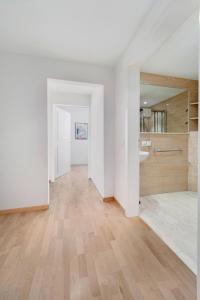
(63, 142)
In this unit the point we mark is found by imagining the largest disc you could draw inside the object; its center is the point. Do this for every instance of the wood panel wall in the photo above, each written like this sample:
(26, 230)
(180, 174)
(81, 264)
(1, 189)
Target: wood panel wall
(167, 171)
(193, 161)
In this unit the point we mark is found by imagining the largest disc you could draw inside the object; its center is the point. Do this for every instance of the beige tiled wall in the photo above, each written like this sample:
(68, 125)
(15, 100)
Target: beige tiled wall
(168, 171)
(193, 161)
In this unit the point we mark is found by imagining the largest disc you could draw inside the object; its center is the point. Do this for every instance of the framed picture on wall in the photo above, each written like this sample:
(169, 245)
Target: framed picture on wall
(81, 131)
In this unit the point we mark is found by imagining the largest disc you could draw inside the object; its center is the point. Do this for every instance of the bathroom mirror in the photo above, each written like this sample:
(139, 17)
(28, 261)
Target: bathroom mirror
(163, 109)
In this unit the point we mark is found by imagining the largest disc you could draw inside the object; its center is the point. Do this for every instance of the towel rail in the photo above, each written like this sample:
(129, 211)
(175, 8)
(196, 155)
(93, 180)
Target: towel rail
(167, 150)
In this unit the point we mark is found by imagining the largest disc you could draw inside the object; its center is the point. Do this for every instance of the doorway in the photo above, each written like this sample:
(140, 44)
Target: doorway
(64, 97)
(168, 172)
(71, 137)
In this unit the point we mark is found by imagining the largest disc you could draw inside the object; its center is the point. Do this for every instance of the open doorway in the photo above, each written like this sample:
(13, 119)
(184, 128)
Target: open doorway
(168, 161)
(71, 138)
(76, 129)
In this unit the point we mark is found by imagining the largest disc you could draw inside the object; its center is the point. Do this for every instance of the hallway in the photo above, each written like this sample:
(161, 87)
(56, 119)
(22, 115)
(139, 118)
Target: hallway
(84, 249)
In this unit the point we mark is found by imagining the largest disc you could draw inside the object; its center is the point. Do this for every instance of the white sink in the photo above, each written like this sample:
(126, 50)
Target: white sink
(143, 155)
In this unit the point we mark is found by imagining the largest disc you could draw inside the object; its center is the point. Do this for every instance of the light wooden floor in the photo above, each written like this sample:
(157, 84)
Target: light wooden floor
(84, 249)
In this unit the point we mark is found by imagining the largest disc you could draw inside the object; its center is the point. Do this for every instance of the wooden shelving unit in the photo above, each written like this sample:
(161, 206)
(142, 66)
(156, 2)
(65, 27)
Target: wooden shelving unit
(193, 109)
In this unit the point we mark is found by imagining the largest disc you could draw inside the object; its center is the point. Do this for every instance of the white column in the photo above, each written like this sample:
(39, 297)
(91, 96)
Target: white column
(132, 141)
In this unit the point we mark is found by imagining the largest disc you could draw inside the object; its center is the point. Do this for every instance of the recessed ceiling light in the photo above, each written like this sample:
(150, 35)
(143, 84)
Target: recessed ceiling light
(145, 102)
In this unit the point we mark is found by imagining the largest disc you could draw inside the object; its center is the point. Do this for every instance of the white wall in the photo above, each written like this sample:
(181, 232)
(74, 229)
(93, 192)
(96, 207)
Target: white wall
(126, 138)
(79, 148)
(23, 124)
(95, 168)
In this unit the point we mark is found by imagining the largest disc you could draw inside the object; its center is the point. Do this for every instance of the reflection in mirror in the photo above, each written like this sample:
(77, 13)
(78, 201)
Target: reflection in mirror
(163, 109)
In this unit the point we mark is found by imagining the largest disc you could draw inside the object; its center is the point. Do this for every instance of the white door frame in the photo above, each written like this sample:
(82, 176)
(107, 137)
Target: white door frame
(96, 113)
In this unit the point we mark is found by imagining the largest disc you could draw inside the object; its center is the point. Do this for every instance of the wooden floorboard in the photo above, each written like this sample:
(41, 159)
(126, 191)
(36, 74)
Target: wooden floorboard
(83, 248)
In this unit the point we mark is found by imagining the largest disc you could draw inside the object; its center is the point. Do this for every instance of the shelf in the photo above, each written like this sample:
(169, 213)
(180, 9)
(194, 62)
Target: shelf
(194, 118)
(194, 103)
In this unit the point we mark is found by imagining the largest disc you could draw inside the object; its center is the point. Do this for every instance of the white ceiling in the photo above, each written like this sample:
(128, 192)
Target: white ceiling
(178, 56)
(95, 31)
(100, 31)
(156, 94)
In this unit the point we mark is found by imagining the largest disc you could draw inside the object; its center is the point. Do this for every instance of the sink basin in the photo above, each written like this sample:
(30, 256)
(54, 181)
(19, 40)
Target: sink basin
(143, 155)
